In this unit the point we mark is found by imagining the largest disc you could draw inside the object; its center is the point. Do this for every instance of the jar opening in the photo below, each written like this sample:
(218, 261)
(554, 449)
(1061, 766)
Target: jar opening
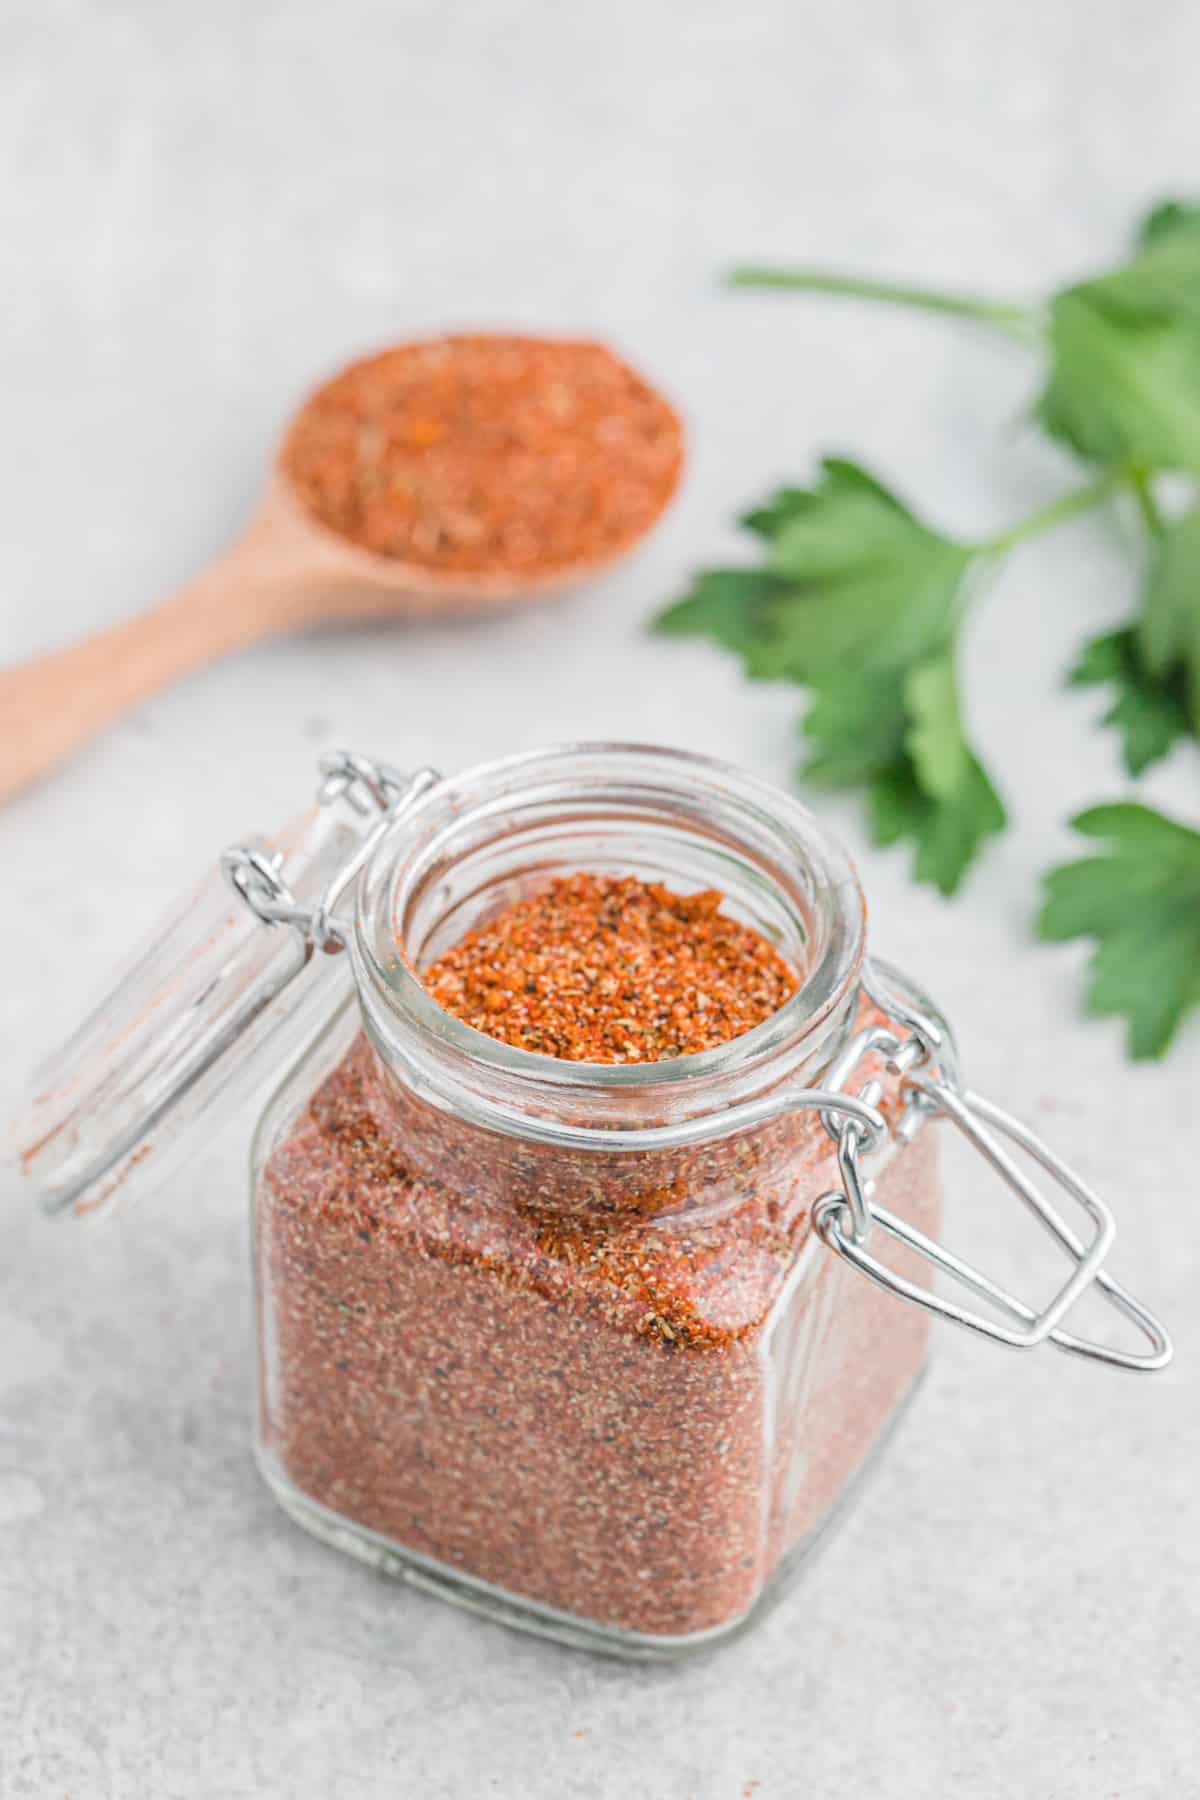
(492, 835)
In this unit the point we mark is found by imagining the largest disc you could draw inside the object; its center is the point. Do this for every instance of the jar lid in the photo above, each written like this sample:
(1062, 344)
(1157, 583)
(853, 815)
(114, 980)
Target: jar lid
(214, 1001)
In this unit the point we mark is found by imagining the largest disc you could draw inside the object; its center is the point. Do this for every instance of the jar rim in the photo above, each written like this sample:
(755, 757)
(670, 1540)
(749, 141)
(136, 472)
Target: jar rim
(699, 784)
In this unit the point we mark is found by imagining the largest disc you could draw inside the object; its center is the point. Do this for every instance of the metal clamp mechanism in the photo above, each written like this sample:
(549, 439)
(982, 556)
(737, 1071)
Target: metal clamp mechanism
(257, 875)
(932, 1088)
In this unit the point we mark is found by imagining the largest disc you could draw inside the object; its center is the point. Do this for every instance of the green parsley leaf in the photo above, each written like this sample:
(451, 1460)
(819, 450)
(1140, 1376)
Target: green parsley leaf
(1140, 901)
(853, 585)
(903, 740)
(947, 835)
(935, 740)
(943, 795)
(1169, 629)
(867, 590)
(768, 520)
(1149, 712)
(859, 601)
(855, 727)
(1167, 217)
(1124, 385)
(727, 605)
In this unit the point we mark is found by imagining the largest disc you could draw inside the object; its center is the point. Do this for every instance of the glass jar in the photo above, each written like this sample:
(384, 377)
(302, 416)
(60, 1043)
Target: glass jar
(585, 1347)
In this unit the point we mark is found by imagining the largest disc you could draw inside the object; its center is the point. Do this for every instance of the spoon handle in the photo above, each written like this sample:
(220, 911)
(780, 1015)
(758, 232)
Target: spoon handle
(54, 703)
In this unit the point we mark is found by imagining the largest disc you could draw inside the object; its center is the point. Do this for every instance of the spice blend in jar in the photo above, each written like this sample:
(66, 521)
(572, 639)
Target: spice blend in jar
(486, 454)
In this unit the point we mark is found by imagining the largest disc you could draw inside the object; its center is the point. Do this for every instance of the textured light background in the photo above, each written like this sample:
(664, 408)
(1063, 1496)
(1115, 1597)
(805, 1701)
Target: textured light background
(202, 208)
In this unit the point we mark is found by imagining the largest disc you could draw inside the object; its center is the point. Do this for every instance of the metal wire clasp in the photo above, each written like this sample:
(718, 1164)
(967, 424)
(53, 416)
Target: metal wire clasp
(846, 1217)
(256, 875)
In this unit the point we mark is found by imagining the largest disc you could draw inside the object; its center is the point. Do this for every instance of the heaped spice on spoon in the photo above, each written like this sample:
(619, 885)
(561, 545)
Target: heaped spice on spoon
(487, 454)
(563, 1372)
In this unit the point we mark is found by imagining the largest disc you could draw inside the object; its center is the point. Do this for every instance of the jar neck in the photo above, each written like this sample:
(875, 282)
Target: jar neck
(483, 840)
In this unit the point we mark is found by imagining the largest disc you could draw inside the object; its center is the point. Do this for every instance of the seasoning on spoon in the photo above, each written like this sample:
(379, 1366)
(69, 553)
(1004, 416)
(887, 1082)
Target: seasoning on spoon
(486, 453)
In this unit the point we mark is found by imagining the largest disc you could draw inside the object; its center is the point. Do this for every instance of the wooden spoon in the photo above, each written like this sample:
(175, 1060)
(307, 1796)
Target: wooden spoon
(286, 572)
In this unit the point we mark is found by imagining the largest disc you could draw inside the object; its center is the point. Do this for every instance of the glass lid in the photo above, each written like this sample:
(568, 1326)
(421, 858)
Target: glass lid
(213, 1002)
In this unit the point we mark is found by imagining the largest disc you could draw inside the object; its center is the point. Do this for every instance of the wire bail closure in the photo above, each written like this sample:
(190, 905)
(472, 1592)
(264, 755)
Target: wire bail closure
(845, 1217)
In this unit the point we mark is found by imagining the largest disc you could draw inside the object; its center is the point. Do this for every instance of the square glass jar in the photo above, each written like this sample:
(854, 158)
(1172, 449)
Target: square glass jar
(586, 1347)
(559, 1340)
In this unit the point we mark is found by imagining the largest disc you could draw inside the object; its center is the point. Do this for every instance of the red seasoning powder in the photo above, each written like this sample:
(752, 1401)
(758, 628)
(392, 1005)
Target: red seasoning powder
(564, 1373)
(612, 970)
(485, 454)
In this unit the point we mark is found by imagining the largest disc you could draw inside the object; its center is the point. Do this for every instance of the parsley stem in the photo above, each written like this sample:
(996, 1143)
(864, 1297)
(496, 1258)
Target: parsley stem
(1057, 512)
(1017, 321)
(1143, 492)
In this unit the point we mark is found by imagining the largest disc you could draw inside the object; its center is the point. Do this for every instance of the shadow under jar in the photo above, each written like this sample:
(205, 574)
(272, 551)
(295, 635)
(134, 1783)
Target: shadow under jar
(584, 1346)
(558, 1338)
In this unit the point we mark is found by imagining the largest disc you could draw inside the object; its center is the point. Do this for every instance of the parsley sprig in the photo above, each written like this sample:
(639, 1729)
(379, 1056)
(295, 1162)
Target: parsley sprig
(862, 601)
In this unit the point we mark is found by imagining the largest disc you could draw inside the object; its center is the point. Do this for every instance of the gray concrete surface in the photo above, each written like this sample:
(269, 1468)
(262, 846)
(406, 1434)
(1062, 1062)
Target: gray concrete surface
(203, 207)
